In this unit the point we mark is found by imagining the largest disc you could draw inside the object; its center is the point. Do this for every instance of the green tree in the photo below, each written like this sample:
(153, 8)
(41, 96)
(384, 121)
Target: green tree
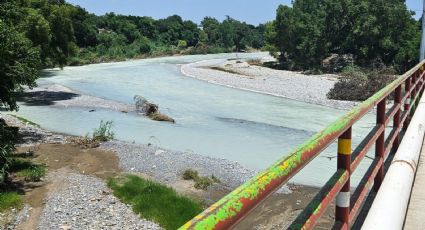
(62, 44)
(374, 31)
(19, 64)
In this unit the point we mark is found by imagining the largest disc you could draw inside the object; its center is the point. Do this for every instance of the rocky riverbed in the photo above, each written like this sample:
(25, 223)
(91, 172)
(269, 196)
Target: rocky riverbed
(85, 202)
(240, 74)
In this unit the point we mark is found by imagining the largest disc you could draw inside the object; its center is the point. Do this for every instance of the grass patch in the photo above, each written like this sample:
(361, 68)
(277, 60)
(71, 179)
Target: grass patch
(27, 170)
(10, 200)
(34, 173)
(154, 201)
(26, 121)
(200, 181)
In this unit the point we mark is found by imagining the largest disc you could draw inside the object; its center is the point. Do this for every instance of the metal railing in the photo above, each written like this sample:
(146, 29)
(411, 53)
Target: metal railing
(406, 91)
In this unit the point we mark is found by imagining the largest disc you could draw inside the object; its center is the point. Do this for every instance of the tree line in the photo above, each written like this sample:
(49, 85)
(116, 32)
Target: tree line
(373, 31)
(66, 34)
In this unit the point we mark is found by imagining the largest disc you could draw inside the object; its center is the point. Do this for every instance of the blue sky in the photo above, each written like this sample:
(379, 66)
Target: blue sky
(251, 11)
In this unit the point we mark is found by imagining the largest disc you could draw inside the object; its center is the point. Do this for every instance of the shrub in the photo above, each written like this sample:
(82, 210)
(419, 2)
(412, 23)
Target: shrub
(34, 173)
(182, 44)
(28, 170)
(357, 85)
(5, 153)
(190, 174)
(7, 137)
(155, 202)
(104, 132)
(200, 181)
(203, 183)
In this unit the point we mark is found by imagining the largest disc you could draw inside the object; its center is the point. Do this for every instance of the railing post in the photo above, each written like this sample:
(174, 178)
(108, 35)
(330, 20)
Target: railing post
(407, 102)
(418, 86)
(396, 121)
(412, 97)
(342, 212)
(422, 77)
(380, 143)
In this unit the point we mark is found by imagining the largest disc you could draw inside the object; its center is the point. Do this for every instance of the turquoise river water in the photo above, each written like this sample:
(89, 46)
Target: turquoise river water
(250, 128)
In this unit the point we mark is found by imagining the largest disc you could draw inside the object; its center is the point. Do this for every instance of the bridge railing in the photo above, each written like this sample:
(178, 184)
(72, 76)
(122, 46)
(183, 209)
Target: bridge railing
(405, 91)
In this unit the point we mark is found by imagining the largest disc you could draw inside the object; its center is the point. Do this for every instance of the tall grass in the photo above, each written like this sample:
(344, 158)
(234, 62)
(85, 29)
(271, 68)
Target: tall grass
(27, 170)
(104, 132)
(9, 200)
(154, 201)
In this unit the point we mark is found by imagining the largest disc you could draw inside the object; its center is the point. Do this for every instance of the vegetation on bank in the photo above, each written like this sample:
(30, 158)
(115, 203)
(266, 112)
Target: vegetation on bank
(374, 35)
(357, 84)
(201, 182)
(102, 134)
(27, 170)
(14, 167)
(25, 121)
(9, 200)
(373, 32)
(154, 201)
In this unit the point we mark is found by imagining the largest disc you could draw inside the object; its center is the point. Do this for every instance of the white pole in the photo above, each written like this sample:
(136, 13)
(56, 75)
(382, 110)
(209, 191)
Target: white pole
(422, 51)
(389, 208)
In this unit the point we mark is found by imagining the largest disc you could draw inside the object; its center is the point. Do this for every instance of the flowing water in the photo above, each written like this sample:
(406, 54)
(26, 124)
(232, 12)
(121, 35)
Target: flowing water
(250, 128)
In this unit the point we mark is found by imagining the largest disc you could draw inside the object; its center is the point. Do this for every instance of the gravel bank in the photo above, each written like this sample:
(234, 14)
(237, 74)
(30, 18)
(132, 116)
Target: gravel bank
(168, 166)
(87, 203)
(287, 84)
(32, 135)
(63, 97)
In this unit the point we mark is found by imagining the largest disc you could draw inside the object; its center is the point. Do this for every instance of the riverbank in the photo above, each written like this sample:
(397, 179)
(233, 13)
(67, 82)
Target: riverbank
(62, 97)
(77, 176)
(240, 74)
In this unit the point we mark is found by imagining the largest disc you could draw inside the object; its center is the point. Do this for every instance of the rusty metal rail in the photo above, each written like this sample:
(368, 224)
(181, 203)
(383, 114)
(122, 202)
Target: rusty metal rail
(406, 91)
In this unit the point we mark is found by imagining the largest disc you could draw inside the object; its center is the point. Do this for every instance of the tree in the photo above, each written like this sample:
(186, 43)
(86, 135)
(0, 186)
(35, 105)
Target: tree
(62, 44)
(19, 65)
(374, 31)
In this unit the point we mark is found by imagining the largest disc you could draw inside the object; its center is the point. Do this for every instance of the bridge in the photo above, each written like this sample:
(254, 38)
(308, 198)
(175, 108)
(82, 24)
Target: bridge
(388, 195)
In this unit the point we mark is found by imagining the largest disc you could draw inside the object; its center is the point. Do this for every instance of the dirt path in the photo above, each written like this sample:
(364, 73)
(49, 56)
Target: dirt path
(63, 158)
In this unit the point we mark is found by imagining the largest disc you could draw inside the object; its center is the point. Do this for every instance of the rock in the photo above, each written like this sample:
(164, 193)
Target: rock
(159, 152)
(144, 106)
(336, 62)
(151, 110)
(161, 117)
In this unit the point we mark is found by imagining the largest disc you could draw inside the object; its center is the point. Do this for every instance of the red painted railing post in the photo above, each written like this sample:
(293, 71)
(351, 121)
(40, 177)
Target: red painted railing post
(415, 90)
(342, 212)
(407, 102)
(397, 117)
(380, 143)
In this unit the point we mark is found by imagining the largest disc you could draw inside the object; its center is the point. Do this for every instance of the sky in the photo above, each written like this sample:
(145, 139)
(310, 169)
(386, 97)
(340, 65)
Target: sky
(250, 11)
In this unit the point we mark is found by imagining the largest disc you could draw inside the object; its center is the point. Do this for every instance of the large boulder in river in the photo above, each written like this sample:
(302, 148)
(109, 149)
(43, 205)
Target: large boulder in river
(336, 62)
(146, 108)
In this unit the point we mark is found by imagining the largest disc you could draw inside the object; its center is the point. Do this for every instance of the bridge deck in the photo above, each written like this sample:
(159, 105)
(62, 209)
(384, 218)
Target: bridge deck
(415, 218)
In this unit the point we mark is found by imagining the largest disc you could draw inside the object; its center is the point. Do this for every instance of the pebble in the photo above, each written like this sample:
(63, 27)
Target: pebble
(68, 207)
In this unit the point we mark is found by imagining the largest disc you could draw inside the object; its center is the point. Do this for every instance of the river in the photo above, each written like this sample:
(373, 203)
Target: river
(250, 128)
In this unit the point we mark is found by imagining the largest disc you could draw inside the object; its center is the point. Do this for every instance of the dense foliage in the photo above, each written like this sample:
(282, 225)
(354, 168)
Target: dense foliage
(373, 31)
(66, 34)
